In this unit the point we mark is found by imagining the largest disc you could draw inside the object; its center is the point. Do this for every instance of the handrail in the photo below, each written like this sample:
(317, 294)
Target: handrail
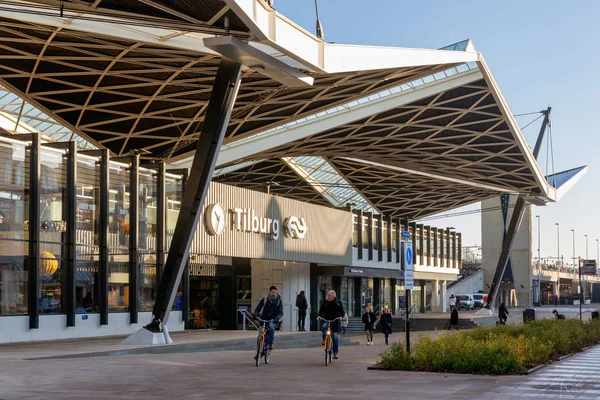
(581, 313)
(247, 316)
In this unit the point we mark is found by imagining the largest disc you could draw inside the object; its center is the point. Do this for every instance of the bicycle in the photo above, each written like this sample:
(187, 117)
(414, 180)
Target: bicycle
(328, 340)
(262, 347)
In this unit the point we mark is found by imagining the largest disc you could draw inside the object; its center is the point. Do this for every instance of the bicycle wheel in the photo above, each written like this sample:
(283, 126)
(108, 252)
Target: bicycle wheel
(267, 356)
(328, 349)
(259, 347)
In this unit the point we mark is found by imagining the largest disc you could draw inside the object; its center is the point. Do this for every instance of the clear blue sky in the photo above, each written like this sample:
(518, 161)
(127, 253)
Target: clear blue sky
(541, 53)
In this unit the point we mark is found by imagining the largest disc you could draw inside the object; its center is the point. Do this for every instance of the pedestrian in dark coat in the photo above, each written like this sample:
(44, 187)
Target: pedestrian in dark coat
(369, 319)
(302, 305)
(502, 314)
(454, 319)
(386, 323)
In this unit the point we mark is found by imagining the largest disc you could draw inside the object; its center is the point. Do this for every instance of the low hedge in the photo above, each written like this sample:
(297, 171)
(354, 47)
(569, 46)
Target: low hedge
(505, 349)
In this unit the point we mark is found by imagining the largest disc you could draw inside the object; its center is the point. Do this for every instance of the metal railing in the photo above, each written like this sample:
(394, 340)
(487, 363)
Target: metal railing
(247, 316)
(402, 312)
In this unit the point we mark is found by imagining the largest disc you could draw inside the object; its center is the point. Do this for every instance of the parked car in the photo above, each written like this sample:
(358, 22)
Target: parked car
(478, 300)
(466, 302)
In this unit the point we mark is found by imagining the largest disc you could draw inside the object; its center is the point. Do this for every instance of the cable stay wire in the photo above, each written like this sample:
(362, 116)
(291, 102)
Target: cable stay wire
(530, 113)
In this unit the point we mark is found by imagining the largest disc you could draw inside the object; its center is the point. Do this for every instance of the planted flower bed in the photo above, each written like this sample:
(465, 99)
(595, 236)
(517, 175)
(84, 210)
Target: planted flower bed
(500, 350)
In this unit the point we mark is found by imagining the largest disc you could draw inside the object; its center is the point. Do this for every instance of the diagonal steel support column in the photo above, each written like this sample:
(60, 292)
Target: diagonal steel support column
(219, 108)
(509, 238)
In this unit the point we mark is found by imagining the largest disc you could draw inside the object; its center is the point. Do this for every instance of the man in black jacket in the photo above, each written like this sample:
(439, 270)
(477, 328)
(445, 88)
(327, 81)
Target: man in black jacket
(332, 310)
(302, 305)
(272, 309)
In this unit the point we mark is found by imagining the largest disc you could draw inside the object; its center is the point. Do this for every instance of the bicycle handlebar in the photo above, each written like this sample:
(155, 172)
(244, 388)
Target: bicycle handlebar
(265, 320)
(327, 320)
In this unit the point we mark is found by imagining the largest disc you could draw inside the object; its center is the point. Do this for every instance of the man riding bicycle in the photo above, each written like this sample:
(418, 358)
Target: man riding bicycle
(272, 309)
(332, 310)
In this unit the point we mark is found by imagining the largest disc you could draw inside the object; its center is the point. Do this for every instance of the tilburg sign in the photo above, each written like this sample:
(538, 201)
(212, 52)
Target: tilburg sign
(246, 220)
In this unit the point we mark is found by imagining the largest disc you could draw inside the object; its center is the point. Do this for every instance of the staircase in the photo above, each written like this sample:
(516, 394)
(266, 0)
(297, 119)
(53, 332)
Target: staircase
(355, 325)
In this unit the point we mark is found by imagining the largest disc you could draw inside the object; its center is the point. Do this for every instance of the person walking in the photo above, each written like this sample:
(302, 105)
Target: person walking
(345, 323)
(386, 323)
(302, 305)
(454, 319)
(503, 314)
(369, 319)
(452, 302)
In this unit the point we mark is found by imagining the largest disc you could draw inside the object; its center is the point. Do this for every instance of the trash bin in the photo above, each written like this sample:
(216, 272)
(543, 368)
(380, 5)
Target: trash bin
(596, 314)
(528, 315)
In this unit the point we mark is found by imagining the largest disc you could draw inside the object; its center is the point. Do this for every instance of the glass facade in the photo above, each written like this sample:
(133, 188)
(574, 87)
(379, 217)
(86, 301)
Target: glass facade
(72, 284)
(118, 237)
(148, 198)
(14, 239)
(87, 244)
(53, 186)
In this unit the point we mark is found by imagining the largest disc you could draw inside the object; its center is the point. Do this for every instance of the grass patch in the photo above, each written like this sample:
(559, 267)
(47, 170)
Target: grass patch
(500, 350)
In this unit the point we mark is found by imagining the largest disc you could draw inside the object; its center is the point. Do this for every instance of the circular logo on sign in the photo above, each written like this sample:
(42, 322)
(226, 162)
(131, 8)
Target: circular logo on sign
(214, 217)
(409, 256)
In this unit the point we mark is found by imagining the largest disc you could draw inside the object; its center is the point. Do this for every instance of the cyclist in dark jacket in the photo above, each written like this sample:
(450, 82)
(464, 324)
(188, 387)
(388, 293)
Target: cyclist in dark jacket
(272, 309)
(332, 310)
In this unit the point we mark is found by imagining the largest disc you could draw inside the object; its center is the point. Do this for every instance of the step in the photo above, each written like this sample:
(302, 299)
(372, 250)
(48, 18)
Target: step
(291, 341)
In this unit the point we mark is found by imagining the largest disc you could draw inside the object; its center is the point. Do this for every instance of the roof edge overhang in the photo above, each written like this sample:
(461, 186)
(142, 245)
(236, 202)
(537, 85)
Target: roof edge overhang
(107, 27)
(276, 31)
(566, 187)
(545, 189)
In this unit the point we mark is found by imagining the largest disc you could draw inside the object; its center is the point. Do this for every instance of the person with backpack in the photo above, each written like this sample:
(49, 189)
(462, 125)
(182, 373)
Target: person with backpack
(272, 309)
(302, 305)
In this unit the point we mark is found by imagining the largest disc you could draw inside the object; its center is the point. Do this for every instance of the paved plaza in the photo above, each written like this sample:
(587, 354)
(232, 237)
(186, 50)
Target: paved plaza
(293, 373)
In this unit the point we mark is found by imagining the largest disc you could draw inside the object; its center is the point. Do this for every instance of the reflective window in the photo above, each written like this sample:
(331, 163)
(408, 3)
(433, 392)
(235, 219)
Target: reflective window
(173, 192)
(354, 230)
(87, 282)
(14, 239)
(53, 228)
(118, 238)
(147, 238)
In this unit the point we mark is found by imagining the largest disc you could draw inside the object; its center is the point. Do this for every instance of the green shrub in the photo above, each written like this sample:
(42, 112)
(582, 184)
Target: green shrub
(396, 357)
(499, 350)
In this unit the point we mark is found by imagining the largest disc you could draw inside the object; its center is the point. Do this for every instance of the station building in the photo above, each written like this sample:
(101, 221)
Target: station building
(328, 153)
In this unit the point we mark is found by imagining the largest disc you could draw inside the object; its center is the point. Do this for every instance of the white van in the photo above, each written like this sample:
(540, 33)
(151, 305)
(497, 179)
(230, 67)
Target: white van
(466, 301)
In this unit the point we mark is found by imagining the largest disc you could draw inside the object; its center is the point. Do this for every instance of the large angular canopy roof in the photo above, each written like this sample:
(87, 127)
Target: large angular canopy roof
(404, 132)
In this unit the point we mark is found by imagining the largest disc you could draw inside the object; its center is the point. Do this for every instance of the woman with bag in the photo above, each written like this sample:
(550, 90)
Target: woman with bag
(369, 319)
(386, 323)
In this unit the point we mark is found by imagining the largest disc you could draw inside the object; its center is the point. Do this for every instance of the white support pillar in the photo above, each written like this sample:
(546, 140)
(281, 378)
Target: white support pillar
(444, 296)
(435, 296)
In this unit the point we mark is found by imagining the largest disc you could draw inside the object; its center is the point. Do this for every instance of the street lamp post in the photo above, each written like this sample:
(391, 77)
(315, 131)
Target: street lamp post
(539, 263)
(558, 242)
(539, 234)
(597, 252)
(573, 230)
(586, 247)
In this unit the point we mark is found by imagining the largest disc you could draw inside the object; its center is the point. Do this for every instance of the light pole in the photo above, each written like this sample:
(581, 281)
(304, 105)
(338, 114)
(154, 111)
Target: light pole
(597, 252)
(573, 230)
(539, 234)
(558, 242)
(586, 246)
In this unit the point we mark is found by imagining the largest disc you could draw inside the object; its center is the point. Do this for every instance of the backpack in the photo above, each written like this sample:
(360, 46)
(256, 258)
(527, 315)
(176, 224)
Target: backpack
(301, 302)
(264, 301)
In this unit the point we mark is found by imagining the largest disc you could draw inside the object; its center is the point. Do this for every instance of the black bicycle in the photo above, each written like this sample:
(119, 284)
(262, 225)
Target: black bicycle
(262, 345)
